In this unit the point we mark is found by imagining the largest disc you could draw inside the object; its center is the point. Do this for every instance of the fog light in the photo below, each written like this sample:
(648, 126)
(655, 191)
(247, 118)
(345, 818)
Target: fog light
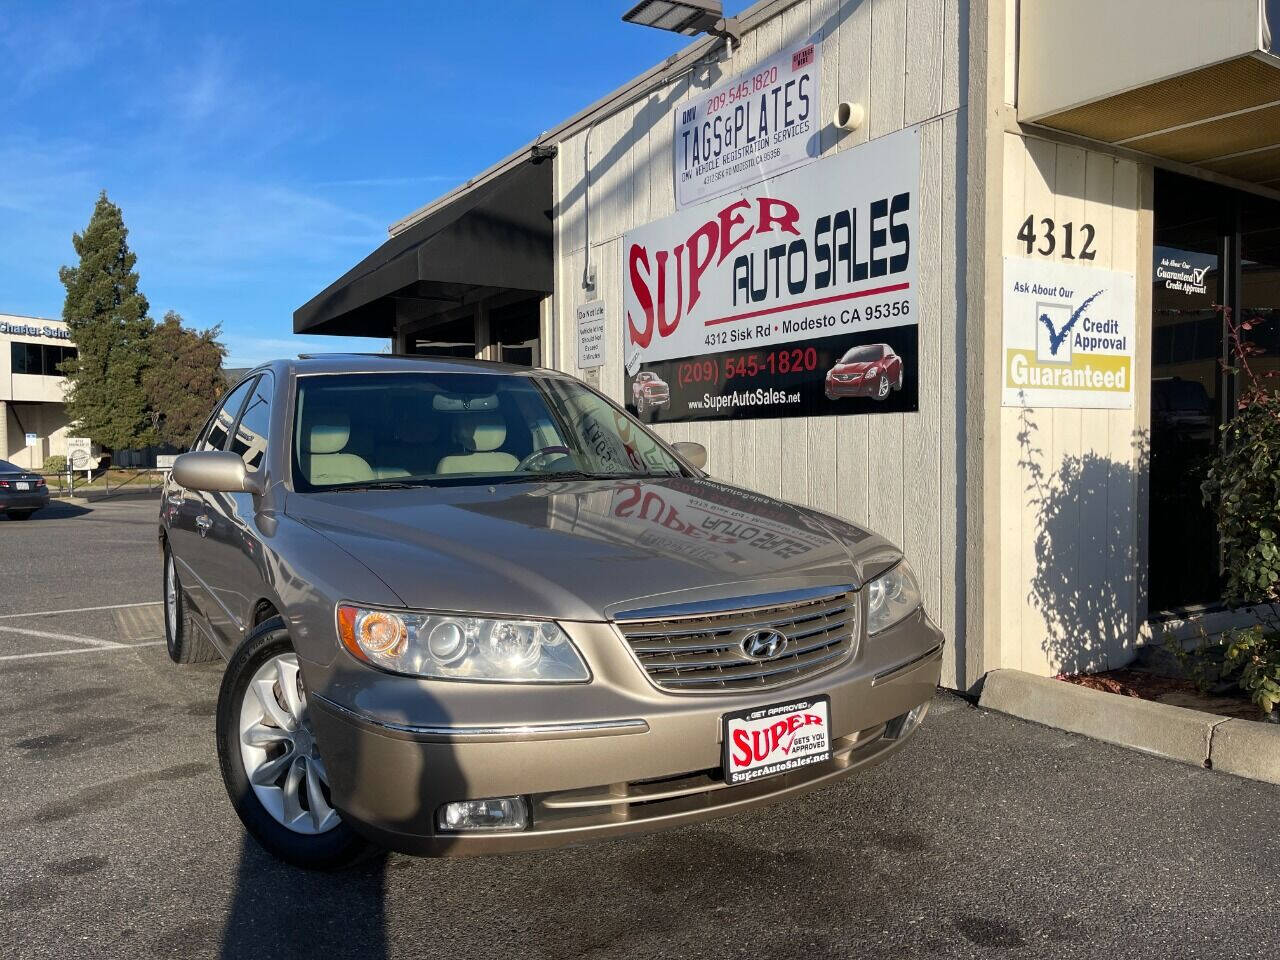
(498, 813)
(900, 726)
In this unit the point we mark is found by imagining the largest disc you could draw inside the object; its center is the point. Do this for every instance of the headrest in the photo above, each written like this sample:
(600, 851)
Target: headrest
(330, 432)
(481, 432)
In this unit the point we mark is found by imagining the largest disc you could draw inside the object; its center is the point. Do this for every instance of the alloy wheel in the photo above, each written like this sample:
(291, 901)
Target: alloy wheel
(278, 747)
(170, 597)
(882, 389)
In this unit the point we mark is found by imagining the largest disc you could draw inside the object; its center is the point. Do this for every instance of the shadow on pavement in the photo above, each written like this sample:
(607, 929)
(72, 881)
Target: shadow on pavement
(282, 912)
(57, 510)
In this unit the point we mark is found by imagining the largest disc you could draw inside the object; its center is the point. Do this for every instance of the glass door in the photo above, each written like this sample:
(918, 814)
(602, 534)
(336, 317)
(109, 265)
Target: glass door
(1216, 256)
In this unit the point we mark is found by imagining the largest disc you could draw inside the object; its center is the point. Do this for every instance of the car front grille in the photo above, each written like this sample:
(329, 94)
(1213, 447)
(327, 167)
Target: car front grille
(703, 653)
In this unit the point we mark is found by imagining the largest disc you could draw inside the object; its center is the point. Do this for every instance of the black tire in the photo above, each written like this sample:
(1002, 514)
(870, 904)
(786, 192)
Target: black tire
(183, 640)
(335, 849)
(20, 514)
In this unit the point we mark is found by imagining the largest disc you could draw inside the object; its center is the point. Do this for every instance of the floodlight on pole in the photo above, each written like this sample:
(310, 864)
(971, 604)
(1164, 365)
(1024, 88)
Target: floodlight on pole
(688, 17)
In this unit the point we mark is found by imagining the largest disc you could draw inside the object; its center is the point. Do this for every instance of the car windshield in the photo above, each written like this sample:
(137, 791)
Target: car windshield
(862, 354)
(438, 428)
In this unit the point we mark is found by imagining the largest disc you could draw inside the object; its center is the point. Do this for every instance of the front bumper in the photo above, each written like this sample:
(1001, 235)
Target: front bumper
(621, 757)
(852, 388)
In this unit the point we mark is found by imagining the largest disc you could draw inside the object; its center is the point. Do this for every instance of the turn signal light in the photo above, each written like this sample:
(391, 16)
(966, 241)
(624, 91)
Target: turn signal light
(372, 633)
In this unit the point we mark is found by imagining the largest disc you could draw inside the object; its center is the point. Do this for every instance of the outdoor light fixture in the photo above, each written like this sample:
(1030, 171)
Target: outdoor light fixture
(689, 17)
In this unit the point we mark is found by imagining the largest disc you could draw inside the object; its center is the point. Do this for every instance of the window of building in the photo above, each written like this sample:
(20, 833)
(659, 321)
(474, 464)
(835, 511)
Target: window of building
(40, 359)
(1216, 254)
(453, 338)
(515, 331)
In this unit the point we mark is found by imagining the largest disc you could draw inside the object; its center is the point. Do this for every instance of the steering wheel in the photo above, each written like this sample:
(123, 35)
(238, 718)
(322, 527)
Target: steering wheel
(540, 454)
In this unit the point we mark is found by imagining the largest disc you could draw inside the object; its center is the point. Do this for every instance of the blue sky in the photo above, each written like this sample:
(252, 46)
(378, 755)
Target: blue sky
(259, 150)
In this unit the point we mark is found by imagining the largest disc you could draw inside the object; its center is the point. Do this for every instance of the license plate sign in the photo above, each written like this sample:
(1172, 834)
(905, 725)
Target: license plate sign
(22, 486)
(766, 741)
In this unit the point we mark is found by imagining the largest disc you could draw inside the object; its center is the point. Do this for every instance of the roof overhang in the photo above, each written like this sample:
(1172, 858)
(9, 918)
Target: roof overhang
(1182, 80)
(496, 237)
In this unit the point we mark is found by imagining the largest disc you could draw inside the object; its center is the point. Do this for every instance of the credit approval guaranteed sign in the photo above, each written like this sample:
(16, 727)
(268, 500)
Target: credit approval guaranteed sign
(1069, 335)
(759, 124)
(791, 297)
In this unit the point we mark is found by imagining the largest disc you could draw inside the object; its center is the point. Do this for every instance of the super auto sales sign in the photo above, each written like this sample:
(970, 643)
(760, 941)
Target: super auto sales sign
(793, 297)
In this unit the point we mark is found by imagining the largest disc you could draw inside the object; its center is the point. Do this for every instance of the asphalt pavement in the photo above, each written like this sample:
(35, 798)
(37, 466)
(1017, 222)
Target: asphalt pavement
(986, 837)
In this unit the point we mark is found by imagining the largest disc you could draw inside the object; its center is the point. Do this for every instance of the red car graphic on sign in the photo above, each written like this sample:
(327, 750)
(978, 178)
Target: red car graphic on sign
(871, 370)
(648, 392)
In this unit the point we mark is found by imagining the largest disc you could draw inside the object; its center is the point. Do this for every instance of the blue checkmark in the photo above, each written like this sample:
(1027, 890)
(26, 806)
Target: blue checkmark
(1056, 337)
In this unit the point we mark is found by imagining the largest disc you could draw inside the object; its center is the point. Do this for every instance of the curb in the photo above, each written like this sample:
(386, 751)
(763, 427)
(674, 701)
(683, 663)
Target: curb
(97, 496)
(1245, 748)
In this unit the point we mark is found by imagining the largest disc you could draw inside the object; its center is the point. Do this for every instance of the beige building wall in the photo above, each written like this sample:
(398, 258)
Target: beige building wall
(1072, 503)
(30, 403)
(895, 473)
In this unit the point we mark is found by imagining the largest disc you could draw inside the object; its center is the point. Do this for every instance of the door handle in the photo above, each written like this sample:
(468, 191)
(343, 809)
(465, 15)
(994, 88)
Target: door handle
(203, 523)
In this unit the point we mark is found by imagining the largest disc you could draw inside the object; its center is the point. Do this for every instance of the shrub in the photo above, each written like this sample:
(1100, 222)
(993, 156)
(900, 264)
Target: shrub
(54, 465)
(1243, 488)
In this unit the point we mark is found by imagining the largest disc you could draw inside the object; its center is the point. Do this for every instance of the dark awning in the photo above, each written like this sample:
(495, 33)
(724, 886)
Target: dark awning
(497, 236)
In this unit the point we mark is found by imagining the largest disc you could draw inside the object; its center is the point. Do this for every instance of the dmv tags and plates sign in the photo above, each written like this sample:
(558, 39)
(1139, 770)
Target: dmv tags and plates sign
(1068, 335)
(765, 741)
(759, 124)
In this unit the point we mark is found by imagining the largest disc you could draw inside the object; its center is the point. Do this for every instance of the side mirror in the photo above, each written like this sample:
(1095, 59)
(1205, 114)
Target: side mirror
(693, 453)
(216, 471)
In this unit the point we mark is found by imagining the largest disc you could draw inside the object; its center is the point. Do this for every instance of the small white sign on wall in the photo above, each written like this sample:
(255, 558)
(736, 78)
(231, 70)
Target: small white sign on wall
(591, 324)
(1068, 335)
(32, 439)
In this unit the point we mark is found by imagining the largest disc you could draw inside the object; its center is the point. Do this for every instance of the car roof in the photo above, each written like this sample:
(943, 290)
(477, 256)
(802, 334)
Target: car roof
(316, 363)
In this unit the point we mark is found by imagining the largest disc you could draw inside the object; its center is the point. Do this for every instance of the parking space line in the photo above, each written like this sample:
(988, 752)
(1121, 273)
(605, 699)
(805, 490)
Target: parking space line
(66, 637)
(62, 653)
(51, 613)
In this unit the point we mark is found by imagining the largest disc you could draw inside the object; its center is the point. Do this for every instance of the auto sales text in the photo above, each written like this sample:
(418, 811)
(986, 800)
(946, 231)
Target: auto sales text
(838, 249)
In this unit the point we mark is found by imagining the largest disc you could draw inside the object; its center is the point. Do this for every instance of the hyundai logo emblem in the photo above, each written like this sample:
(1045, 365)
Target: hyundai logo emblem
(763, 644)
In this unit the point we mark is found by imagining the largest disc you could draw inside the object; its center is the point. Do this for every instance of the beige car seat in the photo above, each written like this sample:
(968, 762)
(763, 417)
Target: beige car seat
(480, 435)
(326, 463)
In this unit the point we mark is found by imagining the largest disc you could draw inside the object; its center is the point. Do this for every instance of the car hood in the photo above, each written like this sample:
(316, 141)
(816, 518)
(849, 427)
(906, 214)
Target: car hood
(854, 367)
(586, 550)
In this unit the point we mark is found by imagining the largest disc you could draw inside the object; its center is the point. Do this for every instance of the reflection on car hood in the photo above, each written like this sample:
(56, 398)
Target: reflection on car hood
(583, 550)
(852, 367)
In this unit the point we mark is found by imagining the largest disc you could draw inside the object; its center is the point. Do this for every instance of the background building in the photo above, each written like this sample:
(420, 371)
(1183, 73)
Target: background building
(1086, 184)
(33, 420)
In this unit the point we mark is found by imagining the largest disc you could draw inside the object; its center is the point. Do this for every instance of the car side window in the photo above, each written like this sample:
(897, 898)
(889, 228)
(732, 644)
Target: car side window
(219, 426)
(250, 439)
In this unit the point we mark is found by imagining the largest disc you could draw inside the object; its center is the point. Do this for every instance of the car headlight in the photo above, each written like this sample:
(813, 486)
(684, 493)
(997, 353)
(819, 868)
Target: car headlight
(446, 646)
(891, 597)
(870, 374)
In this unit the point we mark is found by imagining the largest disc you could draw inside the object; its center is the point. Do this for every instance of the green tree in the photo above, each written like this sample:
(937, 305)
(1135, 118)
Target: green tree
(184, 378)
(108, 319)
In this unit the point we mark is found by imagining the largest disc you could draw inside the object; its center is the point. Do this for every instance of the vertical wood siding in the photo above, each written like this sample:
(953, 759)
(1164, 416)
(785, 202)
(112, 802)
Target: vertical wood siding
(894, 473)
(1070, 479)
